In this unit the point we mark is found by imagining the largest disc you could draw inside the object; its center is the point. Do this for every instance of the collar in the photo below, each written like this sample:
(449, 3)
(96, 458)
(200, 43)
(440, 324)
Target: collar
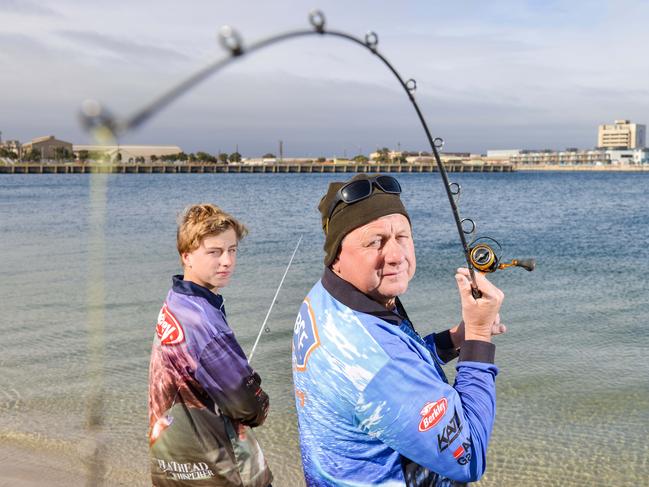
(351, 297)
(192, 289)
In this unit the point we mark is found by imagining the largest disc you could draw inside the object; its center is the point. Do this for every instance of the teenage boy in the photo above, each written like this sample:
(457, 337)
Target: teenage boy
(204, 397)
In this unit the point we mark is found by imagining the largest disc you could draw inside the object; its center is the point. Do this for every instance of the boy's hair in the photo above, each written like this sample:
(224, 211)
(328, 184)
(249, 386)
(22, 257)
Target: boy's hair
(204, 220)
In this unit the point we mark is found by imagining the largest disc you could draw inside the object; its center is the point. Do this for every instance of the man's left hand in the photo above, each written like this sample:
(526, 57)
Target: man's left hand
(457, 332)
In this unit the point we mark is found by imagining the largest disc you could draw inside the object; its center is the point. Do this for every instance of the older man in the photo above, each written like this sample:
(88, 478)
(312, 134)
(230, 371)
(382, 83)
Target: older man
(374, 406)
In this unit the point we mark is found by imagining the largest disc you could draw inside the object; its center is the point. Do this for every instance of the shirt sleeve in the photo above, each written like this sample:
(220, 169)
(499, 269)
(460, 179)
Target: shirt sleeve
(441, 346)
(445, 429)
(226, 376)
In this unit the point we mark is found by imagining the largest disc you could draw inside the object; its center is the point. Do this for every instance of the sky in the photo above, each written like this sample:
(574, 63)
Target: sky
(490, 75)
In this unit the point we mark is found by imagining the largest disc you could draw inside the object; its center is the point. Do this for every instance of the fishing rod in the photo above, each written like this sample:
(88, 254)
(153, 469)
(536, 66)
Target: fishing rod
(272, 303)
(480, 255)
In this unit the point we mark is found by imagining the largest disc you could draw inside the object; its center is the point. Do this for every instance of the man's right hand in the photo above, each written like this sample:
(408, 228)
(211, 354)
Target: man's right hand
(478, 314)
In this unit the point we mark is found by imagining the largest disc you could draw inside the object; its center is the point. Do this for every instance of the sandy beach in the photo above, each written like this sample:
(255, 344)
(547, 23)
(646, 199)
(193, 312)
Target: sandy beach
(24, 467)
(25, 463)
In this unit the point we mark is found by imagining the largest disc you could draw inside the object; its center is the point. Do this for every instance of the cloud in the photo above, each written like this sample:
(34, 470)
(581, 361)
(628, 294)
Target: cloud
(122, 47)
(27, 8)
(27, 55)
(504, 74)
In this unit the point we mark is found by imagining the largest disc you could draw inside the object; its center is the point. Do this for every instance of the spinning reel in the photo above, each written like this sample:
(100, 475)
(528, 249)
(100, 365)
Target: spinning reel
(485, 253)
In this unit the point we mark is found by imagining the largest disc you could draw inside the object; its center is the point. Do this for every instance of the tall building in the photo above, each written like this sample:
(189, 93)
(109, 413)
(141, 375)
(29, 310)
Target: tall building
(621, 135)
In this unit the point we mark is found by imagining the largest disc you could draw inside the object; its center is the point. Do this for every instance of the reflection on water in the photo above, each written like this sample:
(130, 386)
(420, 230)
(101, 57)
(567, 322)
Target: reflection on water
(573, 389)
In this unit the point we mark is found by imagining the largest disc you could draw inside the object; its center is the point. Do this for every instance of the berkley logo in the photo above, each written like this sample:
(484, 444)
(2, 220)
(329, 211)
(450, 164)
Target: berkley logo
(432, 414)
(168, 329)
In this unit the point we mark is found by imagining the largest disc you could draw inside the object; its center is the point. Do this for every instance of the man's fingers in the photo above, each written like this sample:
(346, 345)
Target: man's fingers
(488, 289)
(498, 329)
(463, 283)
(485, 287)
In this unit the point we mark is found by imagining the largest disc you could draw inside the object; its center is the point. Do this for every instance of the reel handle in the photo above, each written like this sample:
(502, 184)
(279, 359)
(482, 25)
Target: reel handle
(527, 264)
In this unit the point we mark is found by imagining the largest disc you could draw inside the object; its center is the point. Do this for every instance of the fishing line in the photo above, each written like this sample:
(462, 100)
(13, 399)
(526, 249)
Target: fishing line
(272, 303)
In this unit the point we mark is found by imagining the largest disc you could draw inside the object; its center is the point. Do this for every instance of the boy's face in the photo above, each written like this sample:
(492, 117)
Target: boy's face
(212, 264)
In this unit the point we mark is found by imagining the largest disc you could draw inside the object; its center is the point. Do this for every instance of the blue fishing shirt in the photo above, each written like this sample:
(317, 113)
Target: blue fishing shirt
(374, 406)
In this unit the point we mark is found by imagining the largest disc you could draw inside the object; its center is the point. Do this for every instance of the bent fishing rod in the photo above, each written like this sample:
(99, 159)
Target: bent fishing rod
(483, 253)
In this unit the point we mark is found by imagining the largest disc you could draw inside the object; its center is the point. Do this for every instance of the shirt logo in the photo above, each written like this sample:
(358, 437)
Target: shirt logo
(459, 452)
(305, 335)
(462, 453)
(185, 471)
(168, 328)
(432, 413)
(449, 433)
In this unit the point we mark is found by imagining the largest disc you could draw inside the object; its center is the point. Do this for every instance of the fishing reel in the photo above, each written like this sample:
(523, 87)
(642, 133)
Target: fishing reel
(485, 253)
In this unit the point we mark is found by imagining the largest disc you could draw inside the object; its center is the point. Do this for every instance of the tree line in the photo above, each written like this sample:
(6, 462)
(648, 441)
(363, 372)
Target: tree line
(204, 157)
(63, 154)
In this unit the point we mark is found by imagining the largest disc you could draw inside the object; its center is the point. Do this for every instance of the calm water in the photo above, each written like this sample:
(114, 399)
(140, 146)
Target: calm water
(573, 389)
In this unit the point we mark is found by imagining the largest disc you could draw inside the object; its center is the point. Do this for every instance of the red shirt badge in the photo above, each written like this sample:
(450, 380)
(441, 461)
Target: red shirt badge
(168, 328)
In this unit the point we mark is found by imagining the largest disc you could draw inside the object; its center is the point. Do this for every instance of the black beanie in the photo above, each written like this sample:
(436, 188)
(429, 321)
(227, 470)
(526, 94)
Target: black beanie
(347, 217)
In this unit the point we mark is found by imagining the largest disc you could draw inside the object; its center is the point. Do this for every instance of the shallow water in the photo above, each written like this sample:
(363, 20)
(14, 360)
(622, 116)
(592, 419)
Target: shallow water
(573, 388)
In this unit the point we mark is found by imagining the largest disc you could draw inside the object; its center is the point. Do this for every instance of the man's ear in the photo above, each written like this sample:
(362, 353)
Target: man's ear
(186, 259)
(335, 265)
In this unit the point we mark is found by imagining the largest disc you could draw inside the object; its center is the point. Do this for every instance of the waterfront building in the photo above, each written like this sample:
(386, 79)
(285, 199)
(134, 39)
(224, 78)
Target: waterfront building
(49, 147)
(576, 157)
(621, 135)
(629, 156)
(12, 146)
(567, 157)
(391, 155)
(127, 153)
(502, 154)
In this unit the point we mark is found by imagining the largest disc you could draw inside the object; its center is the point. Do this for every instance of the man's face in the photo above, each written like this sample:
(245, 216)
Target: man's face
(378, 258)
(211, 265)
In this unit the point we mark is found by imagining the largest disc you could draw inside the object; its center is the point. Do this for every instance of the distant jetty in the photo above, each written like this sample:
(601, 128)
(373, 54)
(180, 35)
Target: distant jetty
(149, 168)
(584, 167)
(172, 168)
